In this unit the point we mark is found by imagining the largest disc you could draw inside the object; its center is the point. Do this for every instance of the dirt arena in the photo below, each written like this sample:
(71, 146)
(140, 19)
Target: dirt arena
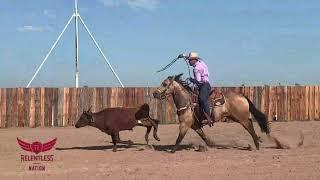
(86, 153)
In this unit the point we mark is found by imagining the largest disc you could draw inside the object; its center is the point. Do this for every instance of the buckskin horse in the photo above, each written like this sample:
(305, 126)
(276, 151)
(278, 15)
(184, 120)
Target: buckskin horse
(113, 120)
(234, 106)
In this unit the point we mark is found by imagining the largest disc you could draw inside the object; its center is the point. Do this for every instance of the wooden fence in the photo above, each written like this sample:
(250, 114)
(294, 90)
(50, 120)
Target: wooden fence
(45, 107)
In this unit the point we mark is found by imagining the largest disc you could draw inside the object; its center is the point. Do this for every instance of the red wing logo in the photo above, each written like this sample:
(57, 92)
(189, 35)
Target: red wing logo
(37, 147)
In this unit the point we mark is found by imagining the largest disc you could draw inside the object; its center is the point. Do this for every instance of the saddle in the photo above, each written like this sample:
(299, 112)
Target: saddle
(216, 98)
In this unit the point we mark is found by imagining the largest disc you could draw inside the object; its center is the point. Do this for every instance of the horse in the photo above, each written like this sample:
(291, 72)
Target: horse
(236, 107)
(113, 120)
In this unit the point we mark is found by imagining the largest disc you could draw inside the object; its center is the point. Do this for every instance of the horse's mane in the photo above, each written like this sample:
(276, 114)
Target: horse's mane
(183, 83)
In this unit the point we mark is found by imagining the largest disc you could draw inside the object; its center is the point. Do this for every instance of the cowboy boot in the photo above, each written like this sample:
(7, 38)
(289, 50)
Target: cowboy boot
(208, 120)
(213, 118)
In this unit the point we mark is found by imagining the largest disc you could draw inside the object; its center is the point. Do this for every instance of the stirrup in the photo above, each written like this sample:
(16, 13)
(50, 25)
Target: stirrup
(207, 122)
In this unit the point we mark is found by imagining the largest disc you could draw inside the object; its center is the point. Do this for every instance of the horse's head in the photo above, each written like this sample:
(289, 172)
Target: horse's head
(167, 87)
(85, 119)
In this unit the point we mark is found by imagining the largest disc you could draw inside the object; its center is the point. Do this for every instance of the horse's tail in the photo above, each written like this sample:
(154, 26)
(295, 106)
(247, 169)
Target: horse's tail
(259, 116)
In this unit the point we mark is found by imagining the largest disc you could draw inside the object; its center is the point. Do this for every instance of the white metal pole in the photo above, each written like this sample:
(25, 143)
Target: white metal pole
(101, 51)
(55, 43)
(77, 43)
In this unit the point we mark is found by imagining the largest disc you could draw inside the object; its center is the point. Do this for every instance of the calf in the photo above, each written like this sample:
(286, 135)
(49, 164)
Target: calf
(114, 120)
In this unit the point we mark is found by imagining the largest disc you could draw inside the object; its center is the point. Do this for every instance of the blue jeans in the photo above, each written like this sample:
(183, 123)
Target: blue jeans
(204, 93)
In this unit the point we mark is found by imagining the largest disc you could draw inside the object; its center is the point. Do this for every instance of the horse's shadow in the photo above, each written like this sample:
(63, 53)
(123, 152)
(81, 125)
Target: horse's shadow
(222, 146)
(165, 148)
(88, 148)
(193, 147)
(121, 144)
(168, 148)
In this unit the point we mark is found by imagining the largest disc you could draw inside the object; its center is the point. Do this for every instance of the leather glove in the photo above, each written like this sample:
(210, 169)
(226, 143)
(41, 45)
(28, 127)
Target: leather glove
(181, 56)
(193, 80)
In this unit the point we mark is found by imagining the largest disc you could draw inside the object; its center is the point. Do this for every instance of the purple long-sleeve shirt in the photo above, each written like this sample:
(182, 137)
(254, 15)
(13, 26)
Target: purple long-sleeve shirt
(200, 72)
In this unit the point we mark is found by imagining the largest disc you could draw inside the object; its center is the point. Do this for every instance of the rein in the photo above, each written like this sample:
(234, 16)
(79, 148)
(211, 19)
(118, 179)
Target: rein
(189, 105)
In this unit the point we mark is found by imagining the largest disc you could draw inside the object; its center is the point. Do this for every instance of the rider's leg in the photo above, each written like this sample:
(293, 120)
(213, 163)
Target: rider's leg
(204, 93)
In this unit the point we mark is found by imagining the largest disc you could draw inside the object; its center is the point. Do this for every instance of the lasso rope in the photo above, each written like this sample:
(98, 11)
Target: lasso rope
(167, 66)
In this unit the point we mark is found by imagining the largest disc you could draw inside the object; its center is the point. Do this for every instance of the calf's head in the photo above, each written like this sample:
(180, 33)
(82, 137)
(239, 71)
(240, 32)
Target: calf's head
(85, 119)
(143, 112)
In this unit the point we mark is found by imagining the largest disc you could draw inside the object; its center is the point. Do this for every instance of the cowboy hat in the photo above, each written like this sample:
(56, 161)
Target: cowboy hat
(193, 56)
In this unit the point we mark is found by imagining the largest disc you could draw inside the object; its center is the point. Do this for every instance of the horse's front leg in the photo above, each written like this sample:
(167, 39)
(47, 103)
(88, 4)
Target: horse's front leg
(183, 128)
(203, 136)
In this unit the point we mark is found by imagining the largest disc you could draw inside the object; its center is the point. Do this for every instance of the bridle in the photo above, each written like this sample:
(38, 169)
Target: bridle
(166, 95)
(163, 93)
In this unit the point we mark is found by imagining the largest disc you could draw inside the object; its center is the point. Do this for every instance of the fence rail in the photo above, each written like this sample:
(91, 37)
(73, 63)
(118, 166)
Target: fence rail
(54, 107)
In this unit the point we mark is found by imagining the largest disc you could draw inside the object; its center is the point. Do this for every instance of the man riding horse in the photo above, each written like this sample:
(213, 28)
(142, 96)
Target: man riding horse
(201, 80)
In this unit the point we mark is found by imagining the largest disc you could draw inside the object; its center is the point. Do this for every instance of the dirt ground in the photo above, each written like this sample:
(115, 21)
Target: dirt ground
(86, 153)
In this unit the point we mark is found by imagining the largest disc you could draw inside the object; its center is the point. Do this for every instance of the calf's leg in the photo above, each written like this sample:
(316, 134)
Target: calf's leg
(146, 136)
(155, 123)
(118, 137)
(115, 137)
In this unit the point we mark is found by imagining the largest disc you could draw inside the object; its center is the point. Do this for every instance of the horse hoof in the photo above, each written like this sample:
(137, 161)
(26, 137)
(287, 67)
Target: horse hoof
(209, 143)
(201, 149)
(150, 147)
(130, 142)
(172, 151)
(114, 149)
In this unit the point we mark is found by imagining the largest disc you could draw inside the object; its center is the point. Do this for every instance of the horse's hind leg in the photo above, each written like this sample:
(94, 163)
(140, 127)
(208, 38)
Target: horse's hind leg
(249, 127)
(203, 136)
(183, 128)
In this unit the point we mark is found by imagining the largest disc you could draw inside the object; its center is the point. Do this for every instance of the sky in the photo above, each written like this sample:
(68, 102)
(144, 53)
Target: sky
(251, 42)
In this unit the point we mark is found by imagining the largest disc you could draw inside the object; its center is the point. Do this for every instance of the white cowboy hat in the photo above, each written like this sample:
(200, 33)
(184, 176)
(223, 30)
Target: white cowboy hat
(193, 56)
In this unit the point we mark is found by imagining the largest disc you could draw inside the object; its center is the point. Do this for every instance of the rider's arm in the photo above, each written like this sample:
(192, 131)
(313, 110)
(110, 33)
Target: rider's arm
(197, 74)
(194, 80)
